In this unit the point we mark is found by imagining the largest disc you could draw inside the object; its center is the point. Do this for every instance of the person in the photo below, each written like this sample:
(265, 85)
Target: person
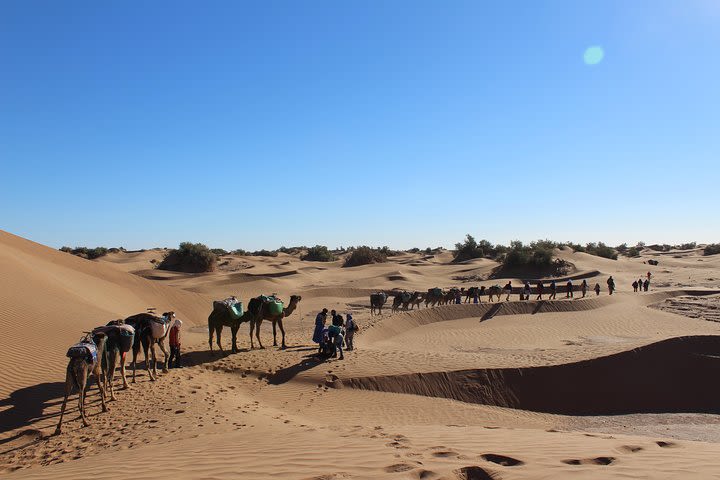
(508, 289)
(350, 329)
(458, 296)
(569, 293)
(611, 284)
(553, 290)
(597, 289)
(335, 332)
(527, 291)
(640, 282)
(337, 320)
(635, 286)
(540, 288)
(175, 345)
(476, 295)
(320, 320)
(649, 275)
(646, 285)
(584, 287)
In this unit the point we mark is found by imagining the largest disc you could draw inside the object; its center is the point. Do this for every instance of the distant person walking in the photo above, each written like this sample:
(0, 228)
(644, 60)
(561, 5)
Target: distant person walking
(649, 275)
(646, 285)
(508, 289)
(553, 290)
(611, 285)
(640, 283)
(584, 287)
(635, 286)
(527, 291)
(540, 288)
(569, 293)
(597, 289)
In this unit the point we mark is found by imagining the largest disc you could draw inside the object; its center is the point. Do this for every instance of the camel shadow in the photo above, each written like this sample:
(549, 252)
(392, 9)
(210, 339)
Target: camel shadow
(28, 404)
(539, 306)
(286, 374)
(201, 357)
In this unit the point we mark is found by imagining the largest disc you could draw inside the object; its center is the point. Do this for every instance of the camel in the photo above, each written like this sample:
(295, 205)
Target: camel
(377, 301)
(470, 293)
(260, 311)
(495, 290)
(81, 365)
(144, 336)
(434, 296)
(416, 299)
(450, 296)
(120, 339)
(220, 318)
(398, 300)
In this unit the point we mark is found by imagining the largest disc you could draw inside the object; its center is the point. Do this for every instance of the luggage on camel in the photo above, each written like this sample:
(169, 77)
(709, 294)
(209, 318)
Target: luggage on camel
(275, 305)
(124, 335)
(86, 350)
(436, 291)
(225, 304)
(159, 326)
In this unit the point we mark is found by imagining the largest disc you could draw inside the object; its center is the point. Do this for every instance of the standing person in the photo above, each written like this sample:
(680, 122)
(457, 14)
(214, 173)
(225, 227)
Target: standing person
(646, 285)
(611, 285)
(553, 290)
(569, 293)
(584, 287)
(635, 286)
(597, 289)
(527, 291)
(640, 282)
(476, 295)
(175, 345)
(320, 320)
(337, 320)
(335, 332)
(350, 329)
(458, 297)
(540, 289)
(649, 275)
(508, 289)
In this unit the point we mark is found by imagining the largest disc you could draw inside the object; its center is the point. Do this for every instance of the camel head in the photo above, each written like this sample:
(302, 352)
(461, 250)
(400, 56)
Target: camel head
(169, 315)
(295, 298)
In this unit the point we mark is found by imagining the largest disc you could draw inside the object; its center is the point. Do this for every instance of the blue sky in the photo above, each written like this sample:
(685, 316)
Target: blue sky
(401, 123)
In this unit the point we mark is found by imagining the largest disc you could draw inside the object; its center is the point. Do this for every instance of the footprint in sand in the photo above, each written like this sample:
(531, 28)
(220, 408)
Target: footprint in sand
(662, 444)
(502, 460)
(445, 454)
(591, 461)
(399, 467)
(630, 449)
(474, 472)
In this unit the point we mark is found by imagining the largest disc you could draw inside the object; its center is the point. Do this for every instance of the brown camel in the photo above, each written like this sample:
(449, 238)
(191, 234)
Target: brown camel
(120, 339)
(398, 300)
(434, 296)
(415, 300)
(222, 317)
(82, 364)
(261, 311)
(377, 301)
(470, 293)
(495, 290)
(150, 330)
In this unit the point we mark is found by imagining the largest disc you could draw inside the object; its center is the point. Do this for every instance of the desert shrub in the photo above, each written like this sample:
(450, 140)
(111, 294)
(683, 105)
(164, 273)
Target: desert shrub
(413, 250)
(712, 249)
(536, 257)
(219, 251)
(472, 249)
(264, 253)
(428, 251)
(364, 256)
(633, 252)
(601, 250)
(239, 251)
(318, 253)
(686, 246)
(575, 246)
(389, 253)
(190, 258)
(622, 248)
(85, 252)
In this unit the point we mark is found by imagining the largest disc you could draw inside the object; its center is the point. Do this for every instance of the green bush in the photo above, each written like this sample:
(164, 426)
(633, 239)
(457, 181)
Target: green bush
(537, 257)
(85, 252)
(364, 256)
(633, 252)
(686, 246)
(712, 249)
(601, 250)
(470, 249)
(219, 251)
(190, 258)
(264, 253)
(622, 248)
(239, 251)
(318, 253)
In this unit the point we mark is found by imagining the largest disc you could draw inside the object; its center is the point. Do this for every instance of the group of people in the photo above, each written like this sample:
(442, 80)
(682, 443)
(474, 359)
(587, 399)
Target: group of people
(640, 285)
(330, 338)
(526, 291)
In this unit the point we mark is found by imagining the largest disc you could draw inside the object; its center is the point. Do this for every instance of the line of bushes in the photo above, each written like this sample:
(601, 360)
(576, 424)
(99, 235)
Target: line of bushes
(91, 253)
(712, 249)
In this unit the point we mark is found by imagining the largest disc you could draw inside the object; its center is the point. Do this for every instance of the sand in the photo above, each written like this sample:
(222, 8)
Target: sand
(620, 386)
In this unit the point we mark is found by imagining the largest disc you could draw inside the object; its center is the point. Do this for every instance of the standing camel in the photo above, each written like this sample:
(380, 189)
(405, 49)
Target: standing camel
(398, 300)
(86, 358)
(260, 311)
(434, 296)
(120, 339)
(493, 291)
(416, 299)
(150, 330)
(377, 301)
(222, 318)
(470, 294)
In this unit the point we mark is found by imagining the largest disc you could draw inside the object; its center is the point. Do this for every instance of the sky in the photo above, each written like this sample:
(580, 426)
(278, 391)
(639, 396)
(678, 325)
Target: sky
(243, 124)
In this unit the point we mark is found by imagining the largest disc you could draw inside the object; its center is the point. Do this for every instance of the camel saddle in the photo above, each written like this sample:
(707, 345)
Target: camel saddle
(85, 350)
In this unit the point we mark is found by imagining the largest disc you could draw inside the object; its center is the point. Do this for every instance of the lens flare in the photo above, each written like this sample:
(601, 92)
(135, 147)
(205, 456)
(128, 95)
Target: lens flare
(593, 55)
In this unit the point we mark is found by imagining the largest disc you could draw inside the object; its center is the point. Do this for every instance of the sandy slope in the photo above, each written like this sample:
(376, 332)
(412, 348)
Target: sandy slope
(284, 414)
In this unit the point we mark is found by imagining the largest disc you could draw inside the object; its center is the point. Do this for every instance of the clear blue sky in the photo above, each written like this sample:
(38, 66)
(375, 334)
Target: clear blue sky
(403, 123)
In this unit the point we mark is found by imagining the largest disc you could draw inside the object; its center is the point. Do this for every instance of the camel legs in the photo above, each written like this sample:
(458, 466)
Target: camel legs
(122, 370)
(233, 332)
(68, 388)
(211, 330)
(161, 343)
(98, 374)
(282, 330)
(146, 346)
(110, 374)
(256, 325)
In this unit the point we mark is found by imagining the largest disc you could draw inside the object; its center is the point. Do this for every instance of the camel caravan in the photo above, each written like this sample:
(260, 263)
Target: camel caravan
(404, 300)
(100, 351)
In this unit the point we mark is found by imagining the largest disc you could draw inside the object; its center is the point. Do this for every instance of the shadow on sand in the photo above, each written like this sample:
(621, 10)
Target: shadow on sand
(28, 404)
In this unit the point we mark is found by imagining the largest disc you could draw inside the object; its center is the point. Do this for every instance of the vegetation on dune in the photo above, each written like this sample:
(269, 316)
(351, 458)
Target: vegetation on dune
(365, 255)
(219, 251)
(89, 253)
(189, 258)
(318, 253)
(598, 249)
(536, 258)
(712, 249)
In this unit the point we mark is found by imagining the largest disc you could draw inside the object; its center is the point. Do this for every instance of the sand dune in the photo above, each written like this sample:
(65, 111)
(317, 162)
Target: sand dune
(600, 387)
